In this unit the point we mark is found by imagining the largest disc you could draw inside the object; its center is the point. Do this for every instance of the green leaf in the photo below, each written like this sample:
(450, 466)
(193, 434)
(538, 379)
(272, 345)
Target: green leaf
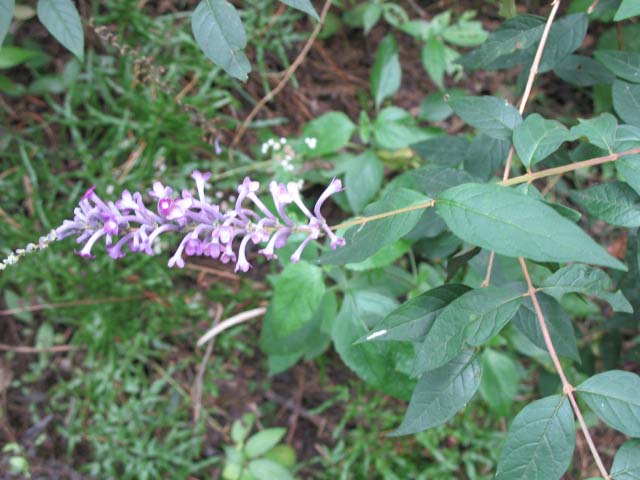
(465, 34)
(627, 9)
(540, 442)
(557, 321)
(381, 364)
(434, 60)
(613, 396)
(264, 469)
(363, 179)
(62, 20)
(485, 155)
(434, 179)
(588, 281)
(371, 16)
(515, 225)
(412, 321)
(474, 318)
(565, 37)
(600, 130)
(536, 138)
(628, 168)
(241, 428)
(441, 393)
(304, 6)
(626, 464)
(6, 14)
(382, 258)
(263, 441)
(435, 106)
(499, 384)
(445, 150)
(333, 130)
(583, 71)
(490, 115)
(395, 128)
(386, 73)
(362, 241)
(625, 65)
(219, 32)
(615, 202)
(626, 101)
(11, 56)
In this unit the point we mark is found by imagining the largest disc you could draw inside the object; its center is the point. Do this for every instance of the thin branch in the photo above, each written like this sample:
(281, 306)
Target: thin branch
(285, 78)
(30, 350)
(379, 216)
(75, 303)
(197, 385)
(230, 322)
(567, 388)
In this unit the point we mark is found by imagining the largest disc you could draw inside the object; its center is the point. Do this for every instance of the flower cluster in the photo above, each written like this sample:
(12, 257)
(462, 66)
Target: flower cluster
(14, 257)
(129, 225)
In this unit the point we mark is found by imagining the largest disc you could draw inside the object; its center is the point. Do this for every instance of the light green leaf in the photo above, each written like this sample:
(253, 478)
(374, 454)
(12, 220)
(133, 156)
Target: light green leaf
(626, 101)
(515, 225)
(465, 34)
(625, 65)
(362, 241)
(583, 71)
(219, 32)
(6, 14)
(540, 442)
(490, 115)
(304, 6)
(615, 202)
(264, 469)
(263, 441)
(626, 464)
(62, 20)
(441, 393)
(363, 179)
(386, 73)
(499, 383)
(11, 56)
(627, 9)
(445, 150)
(381, 364)
(434, 60)
(333, 130)
(475, 317)
(395, 128)
(536, 138)
(588, 281)
(600, 130)
(412, 321)
(371, 16)
(557, 321)
(615, 397)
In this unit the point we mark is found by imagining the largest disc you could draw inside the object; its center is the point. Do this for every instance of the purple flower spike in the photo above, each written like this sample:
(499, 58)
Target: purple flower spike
(128, 225)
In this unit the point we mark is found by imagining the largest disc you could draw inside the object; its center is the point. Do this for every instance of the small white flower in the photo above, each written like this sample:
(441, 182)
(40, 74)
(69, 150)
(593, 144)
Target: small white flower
(311, 142)
(283, 140)
(109, 189)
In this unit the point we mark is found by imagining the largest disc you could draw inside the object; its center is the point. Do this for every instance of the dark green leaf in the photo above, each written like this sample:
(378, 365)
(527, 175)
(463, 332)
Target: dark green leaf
(381, 364)
(626, 464)
(626, 101)
(220, 34)
(601, 131)
(413, 319)
(565, 37)
(536, 138)
(499, 381)
(386, 73)
(588, 281)
(583, 71)
(628, 9)
(6, 14)
(333, 130)
(433, 179)
(363, 179)
(11, 56)
(62, 20)
(474, 317)
(625, 65)
(540, 443)
(304, 6)
(614, 397)
(446, 150)
(557, 321)
(441, 393)
(435, 107)
(434, 60)
(362, 241)
(615, 202)
(515, 225)
(628, 168)
(485, 155)
(490, 115)
(382, 258)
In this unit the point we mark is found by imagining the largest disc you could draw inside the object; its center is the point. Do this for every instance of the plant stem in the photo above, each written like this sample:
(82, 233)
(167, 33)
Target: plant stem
(567, 388)
(379, 216)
